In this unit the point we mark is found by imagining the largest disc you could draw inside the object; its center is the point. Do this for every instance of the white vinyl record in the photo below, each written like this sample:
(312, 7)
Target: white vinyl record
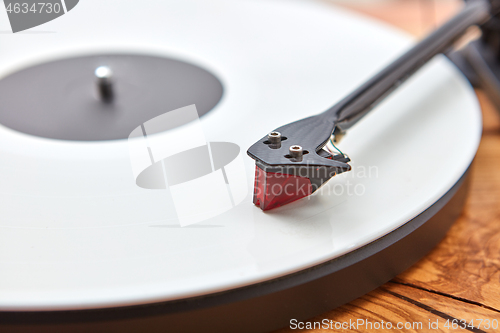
(77, 232)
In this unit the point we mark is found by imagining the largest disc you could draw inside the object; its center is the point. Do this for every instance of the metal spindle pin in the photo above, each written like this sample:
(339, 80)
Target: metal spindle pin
(104, 76)
(275, 140)
(296, 152)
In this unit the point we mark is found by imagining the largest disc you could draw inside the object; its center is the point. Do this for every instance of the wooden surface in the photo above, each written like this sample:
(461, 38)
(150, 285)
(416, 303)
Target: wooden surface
(460, 278)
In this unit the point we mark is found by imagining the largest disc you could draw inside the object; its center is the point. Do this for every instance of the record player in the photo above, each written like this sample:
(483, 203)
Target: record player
(128, 200)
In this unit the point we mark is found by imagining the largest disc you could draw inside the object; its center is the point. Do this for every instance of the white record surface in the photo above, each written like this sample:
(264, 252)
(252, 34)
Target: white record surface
(75, 230)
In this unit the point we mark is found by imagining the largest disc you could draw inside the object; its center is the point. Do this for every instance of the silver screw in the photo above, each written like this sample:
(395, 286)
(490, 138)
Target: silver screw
(296, 152)
(104, 76)
(275, 140)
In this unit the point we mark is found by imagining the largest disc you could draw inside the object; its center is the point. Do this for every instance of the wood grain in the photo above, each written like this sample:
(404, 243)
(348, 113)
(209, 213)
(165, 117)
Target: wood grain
(402, 304)
(460, 278)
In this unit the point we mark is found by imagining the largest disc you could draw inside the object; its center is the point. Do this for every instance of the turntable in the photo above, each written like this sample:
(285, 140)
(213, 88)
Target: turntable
(97, 236)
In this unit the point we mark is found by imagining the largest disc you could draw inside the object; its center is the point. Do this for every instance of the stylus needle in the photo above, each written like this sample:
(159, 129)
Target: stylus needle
(291, 162)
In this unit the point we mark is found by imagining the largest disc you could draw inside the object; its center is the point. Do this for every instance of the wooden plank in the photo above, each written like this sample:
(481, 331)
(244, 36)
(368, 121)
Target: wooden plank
(413, 309)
